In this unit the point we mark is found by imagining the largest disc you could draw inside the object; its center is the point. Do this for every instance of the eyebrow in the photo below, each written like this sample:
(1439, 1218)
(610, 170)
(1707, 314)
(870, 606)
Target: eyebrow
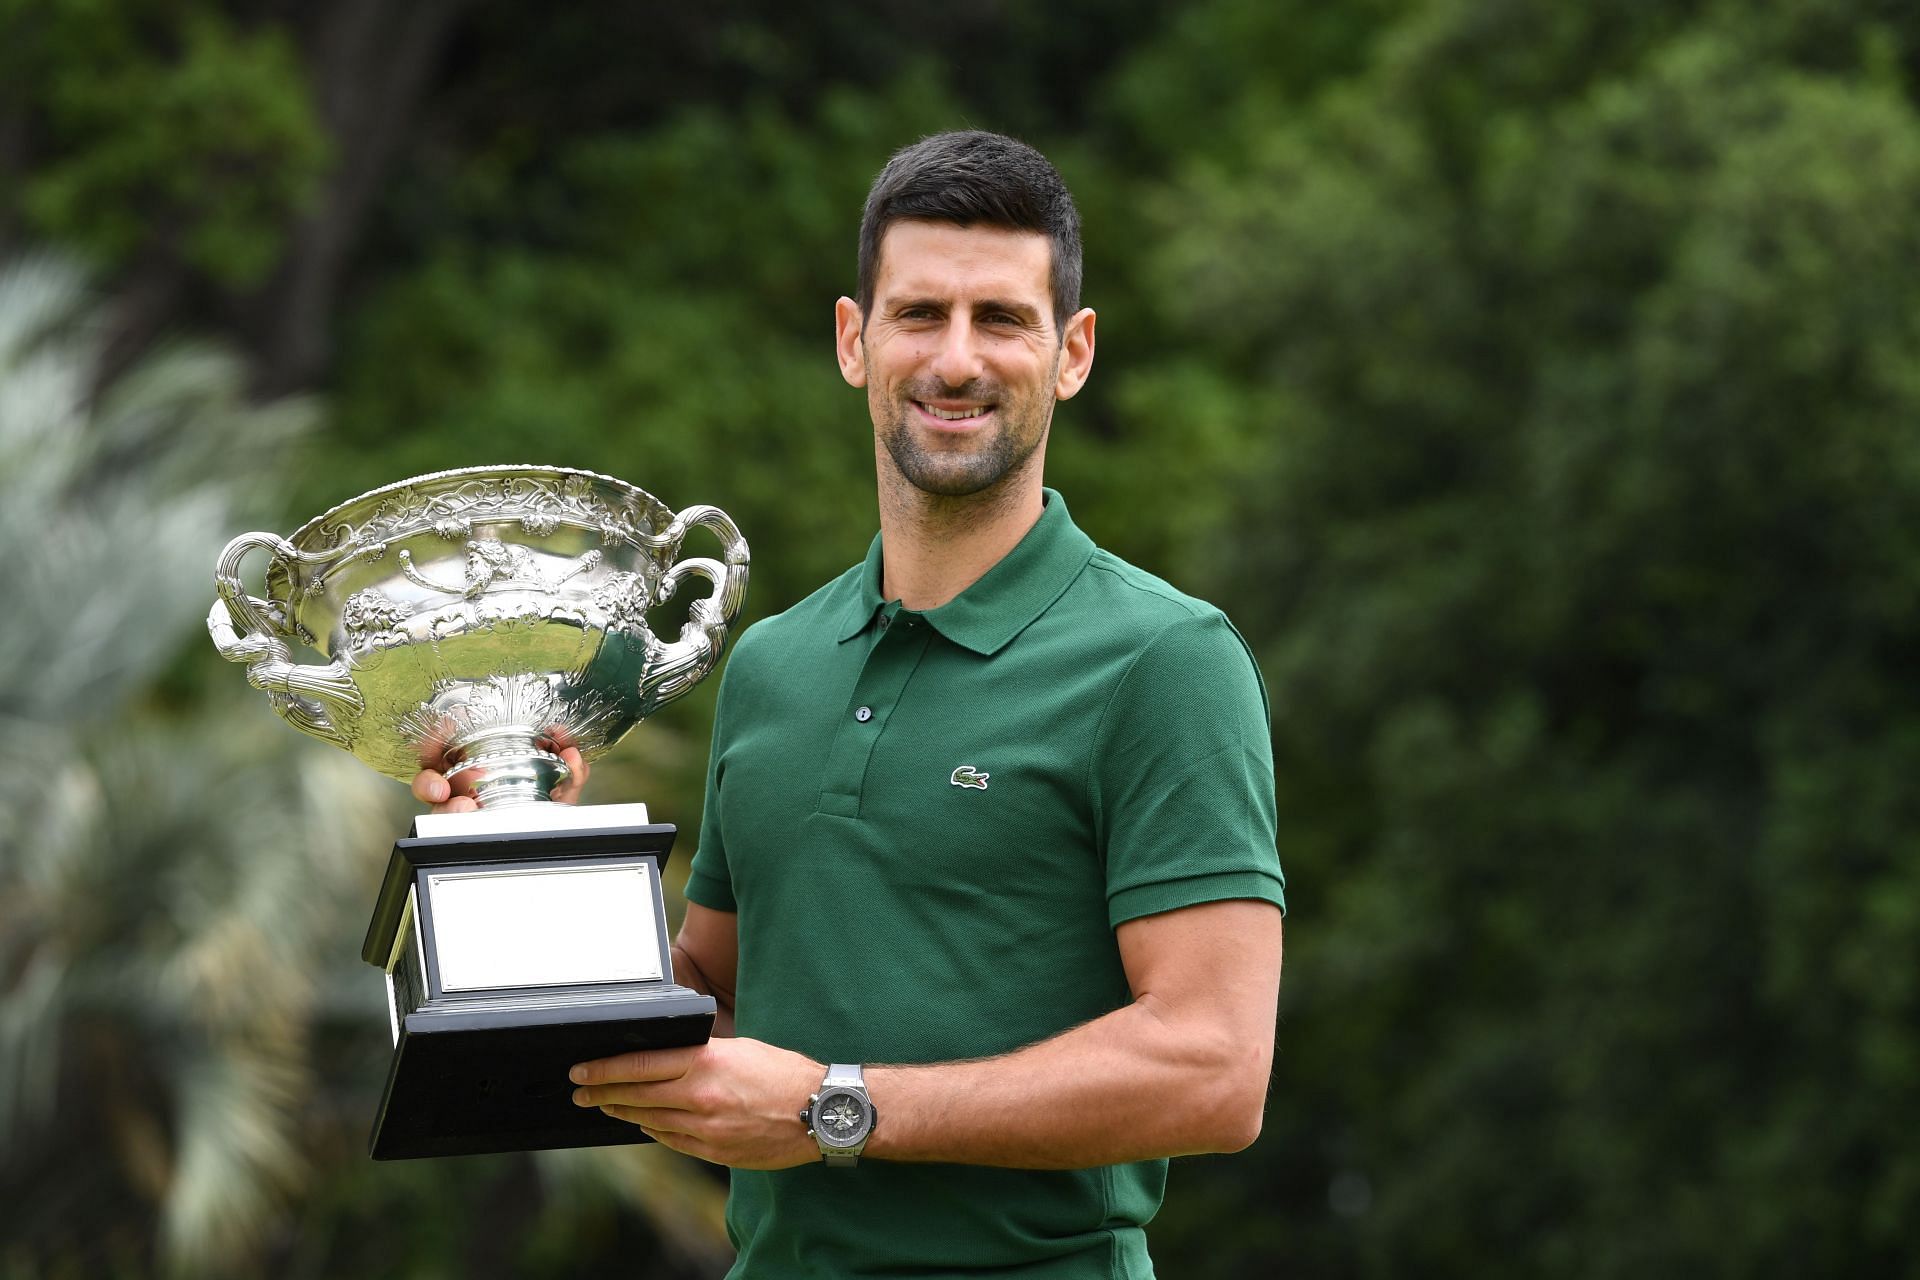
(1020, 310)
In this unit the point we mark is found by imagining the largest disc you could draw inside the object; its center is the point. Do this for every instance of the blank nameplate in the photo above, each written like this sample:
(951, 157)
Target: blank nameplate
(545, 927)
(530, 817)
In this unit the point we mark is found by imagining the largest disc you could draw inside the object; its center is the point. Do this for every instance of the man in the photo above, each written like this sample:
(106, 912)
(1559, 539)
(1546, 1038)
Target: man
(991, 814)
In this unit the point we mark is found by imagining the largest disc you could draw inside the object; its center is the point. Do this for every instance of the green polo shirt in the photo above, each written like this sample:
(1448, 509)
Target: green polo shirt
(930, 825)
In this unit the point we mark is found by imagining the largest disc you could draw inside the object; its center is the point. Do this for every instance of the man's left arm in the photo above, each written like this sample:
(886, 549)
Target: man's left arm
(1179, 1070)
(1184, 792)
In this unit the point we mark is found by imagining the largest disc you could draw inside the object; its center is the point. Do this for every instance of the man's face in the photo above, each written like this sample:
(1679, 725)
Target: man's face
(959, 354)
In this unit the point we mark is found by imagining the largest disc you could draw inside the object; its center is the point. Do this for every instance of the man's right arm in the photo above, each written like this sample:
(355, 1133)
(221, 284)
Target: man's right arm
(706, 957)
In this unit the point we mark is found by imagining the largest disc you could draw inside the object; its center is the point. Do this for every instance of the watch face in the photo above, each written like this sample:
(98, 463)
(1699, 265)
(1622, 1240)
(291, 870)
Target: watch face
(842, 1118)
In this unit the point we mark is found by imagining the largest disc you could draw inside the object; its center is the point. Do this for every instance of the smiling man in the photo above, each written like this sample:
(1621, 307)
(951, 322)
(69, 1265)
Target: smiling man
(986, 887)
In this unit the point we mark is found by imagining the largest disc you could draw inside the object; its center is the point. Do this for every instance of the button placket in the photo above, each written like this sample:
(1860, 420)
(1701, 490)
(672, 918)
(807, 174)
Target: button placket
(890, 664)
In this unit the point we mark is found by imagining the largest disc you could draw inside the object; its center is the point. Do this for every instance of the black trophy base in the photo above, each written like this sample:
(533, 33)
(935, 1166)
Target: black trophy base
(479, 1083)
(480, 1065)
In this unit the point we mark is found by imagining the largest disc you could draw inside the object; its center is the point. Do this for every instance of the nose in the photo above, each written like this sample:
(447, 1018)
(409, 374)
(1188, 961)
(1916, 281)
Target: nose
(957, 359)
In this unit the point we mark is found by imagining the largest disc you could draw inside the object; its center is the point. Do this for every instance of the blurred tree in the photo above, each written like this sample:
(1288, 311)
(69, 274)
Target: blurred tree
(176, 880)
(199, 150)
(1583, 556)
(157, 968)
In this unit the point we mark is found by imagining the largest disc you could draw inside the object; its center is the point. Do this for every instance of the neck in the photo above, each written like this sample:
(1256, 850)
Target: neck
(935, 547)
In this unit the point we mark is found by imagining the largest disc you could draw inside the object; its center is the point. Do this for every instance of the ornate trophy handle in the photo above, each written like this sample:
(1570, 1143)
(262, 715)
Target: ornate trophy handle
(672, 669)
(321, 701)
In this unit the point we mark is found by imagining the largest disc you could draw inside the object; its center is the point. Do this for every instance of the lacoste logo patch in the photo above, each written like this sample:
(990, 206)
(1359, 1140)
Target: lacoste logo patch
(967, 776)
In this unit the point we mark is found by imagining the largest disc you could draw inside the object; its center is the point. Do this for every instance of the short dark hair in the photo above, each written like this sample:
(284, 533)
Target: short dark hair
(972, 177)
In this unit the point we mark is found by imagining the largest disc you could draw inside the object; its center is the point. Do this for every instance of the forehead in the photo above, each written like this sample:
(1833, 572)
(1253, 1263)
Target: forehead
(939, 259)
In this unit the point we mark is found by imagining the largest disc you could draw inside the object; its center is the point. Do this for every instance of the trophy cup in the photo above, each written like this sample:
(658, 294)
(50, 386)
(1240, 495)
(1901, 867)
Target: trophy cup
(480, 622)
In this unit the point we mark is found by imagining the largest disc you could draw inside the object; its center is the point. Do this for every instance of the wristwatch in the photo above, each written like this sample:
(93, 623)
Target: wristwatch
(840, 1117)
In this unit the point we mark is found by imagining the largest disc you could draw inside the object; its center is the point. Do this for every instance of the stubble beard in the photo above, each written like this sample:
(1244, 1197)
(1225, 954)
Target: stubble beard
(952, 474)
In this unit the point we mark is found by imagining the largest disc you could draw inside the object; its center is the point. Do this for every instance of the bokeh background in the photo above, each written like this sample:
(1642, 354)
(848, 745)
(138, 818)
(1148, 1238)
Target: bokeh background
(1536, 384)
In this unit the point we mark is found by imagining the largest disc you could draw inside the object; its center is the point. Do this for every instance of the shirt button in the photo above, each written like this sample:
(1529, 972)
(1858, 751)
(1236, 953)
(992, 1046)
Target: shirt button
(884, 620)
(863, 715)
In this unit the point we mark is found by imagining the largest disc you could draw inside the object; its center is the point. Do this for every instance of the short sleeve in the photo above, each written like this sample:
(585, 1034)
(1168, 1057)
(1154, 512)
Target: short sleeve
(1182, 779)
(709, 879)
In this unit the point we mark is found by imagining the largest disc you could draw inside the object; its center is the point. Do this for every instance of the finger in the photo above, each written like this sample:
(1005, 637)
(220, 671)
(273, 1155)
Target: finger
(648, 1096)
(430, 787)
(685, 1143)
(569, 791)
(652, 1119)
(641, 1065)
(459, 804)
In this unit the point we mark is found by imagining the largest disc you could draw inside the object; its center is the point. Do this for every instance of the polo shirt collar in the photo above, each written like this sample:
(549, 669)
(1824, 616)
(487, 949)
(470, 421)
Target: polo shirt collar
(1008, 597)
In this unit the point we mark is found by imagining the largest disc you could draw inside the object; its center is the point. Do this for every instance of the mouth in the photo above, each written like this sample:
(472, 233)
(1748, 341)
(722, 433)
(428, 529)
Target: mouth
(955, 414)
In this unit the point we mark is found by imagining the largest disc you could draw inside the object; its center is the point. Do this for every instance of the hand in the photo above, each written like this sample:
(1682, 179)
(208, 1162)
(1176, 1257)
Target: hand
(731, 1101)
(433, 788)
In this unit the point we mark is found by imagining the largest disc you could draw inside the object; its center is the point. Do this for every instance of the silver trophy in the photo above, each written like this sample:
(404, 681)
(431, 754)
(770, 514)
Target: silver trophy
(480, 622)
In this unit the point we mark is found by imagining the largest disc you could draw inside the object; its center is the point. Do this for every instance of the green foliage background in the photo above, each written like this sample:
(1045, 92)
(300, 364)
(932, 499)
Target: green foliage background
(1535, 384)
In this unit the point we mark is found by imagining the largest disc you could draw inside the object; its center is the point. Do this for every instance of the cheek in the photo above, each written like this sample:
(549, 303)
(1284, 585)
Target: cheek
(902, 358)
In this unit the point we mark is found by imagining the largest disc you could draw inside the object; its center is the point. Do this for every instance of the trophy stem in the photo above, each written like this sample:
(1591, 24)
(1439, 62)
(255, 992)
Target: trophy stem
(501, 768)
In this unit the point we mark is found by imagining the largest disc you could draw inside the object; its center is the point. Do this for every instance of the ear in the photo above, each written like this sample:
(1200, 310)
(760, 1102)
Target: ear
(1076, 357)
(846, 342)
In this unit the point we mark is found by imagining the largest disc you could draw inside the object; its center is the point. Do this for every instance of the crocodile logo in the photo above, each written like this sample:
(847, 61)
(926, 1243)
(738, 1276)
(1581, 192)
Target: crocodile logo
(967, 776)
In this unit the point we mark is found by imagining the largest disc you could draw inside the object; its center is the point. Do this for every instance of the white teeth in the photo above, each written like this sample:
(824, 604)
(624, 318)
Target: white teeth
(954, 415)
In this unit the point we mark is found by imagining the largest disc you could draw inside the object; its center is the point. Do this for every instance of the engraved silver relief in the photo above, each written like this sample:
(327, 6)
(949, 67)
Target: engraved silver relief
(372, 617)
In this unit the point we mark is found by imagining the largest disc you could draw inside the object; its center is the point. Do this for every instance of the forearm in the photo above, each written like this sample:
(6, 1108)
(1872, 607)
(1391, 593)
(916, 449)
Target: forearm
(1135, 1084)
(688, 973)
